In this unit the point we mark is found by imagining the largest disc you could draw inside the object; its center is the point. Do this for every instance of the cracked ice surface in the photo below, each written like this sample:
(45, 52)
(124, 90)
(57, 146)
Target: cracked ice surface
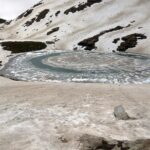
(79, 67)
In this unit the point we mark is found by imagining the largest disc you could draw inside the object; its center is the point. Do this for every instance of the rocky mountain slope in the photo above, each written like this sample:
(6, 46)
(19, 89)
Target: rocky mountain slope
(105, 25)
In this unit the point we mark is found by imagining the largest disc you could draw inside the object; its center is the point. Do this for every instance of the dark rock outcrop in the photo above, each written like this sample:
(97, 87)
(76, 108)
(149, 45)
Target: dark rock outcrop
(38, 18)
(2, 21)
(38, 4)
(130, 41)
(115, 41)
(57, 13)
(25, 14)
(89, 43)
(42, 15)
(53, 30)
(82, 6)
(23, 46)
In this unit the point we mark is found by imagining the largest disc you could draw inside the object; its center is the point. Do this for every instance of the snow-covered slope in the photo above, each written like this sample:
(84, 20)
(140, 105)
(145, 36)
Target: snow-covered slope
(105, 25)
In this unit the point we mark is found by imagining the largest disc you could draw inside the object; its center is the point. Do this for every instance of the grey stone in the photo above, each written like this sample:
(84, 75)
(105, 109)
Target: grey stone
(120, 113)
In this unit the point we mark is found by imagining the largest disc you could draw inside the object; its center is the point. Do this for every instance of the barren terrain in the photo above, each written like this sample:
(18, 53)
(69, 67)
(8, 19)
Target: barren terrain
(53, 116)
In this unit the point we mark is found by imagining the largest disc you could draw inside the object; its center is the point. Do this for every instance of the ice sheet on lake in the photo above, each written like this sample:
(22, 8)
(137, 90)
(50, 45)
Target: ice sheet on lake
(80, 66)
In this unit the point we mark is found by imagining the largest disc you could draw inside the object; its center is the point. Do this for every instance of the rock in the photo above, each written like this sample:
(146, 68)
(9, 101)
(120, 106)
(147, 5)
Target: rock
(63, 139)
(91, 142)
(23, 46)
(120, 113)
(2, 20)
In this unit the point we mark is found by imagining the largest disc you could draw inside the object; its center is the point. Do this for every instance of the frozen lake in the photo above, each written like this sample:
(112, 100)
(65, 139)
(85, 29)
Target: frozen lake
(79, 66)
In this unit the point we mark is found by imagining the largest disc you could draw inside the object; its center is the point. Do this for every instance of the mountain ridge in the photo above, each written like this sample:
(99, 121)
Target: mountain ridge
(84, 25)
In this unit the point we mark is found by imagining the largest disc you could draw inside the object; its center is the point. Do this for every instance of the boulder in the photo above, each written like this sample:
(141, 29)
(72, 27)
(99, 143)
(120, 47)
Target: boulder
(120, 113)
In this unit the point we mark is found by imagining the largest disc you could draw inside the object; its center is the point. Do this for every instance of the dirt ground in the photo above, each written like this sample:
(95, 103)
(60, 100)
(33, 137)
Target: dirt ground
(53, 116)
